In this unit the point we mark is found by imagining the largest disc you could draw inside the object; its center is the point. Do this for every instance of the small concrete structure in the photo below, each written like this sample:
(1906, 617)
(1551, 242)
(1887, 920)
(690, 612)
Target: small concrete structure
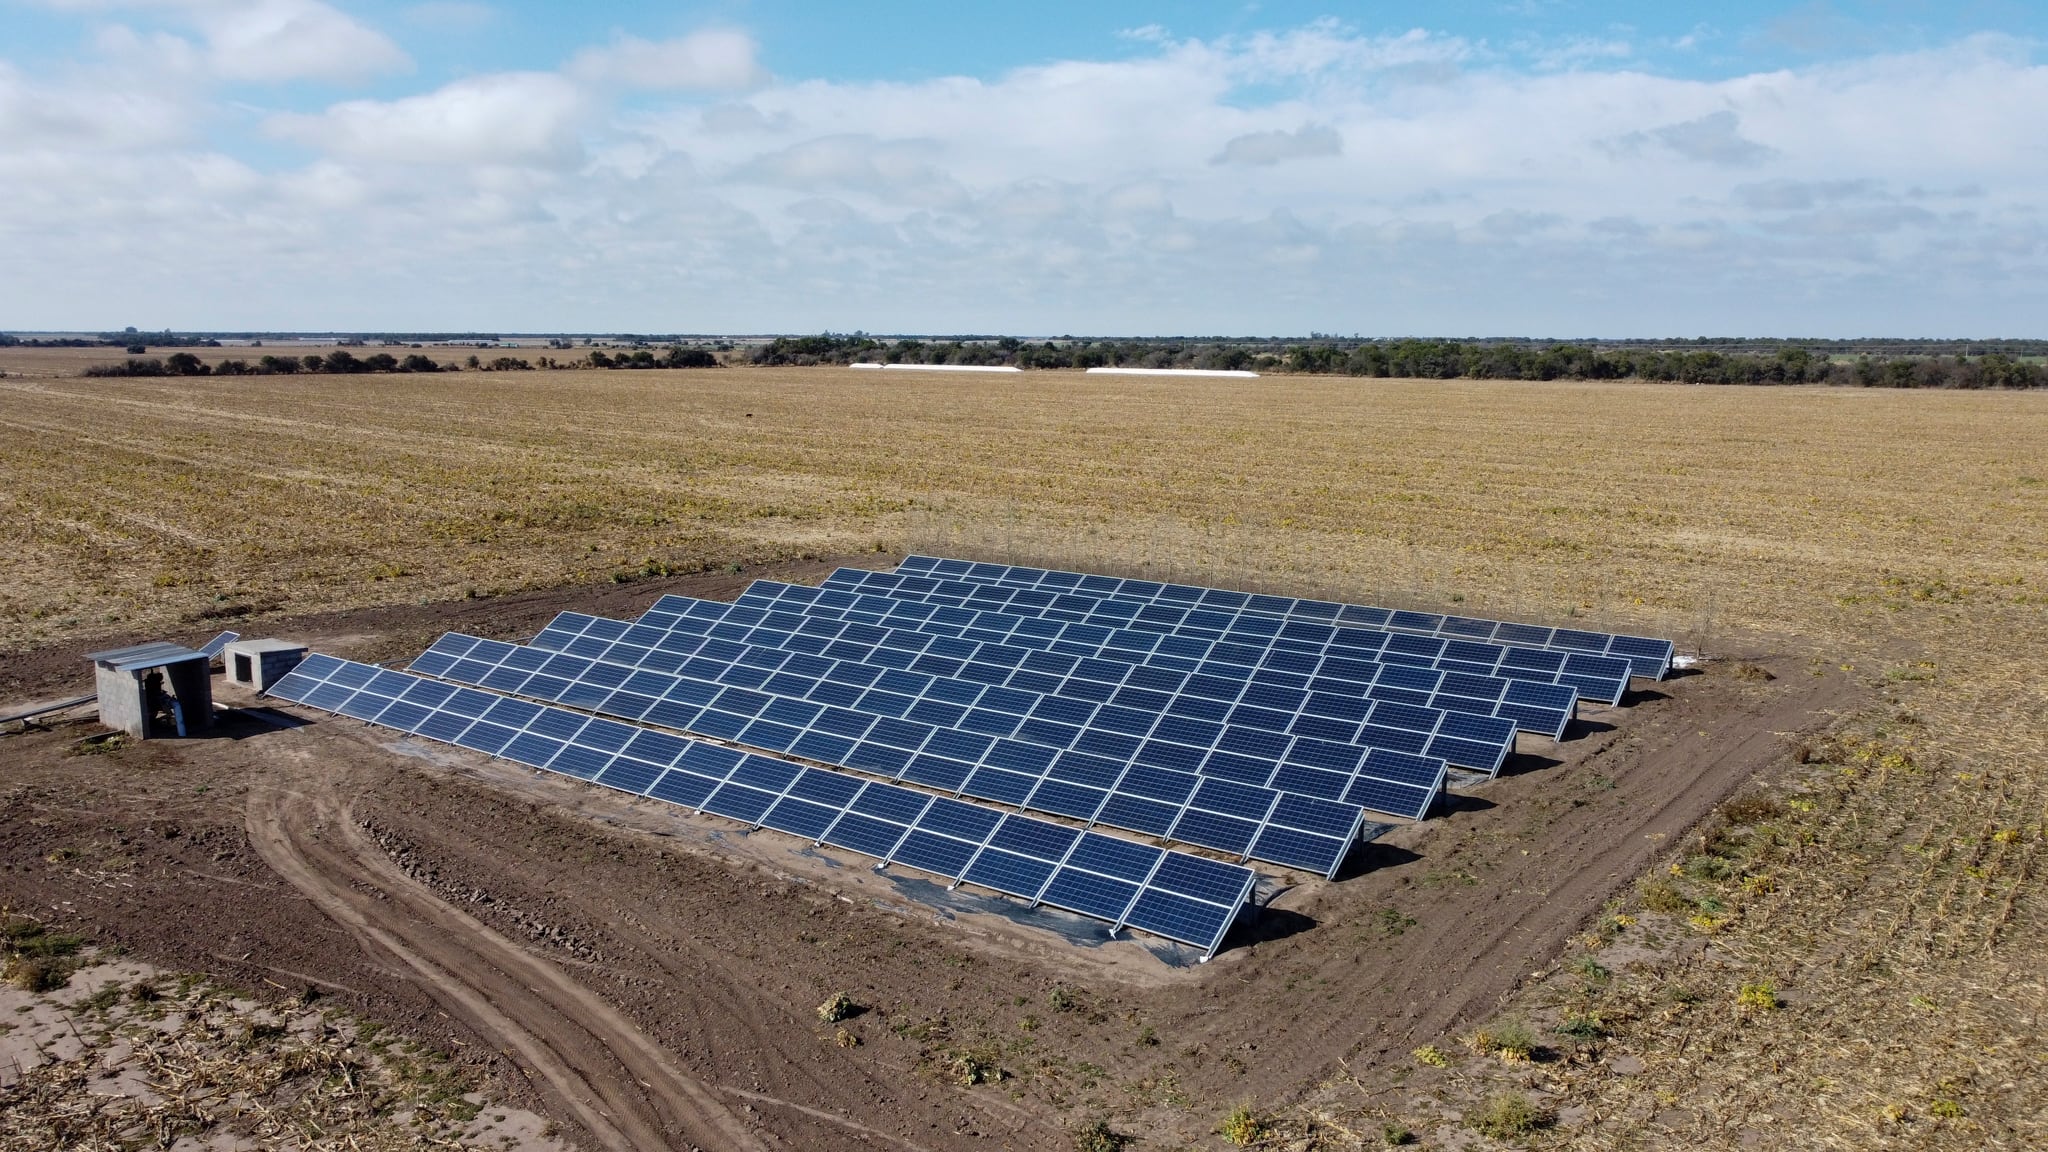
(133, 683)
(261, 663)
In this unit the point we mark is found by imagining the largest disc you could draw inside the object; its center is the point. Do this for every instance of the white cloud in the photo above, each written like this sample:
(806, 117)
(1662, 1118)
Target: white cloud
(272, 40)
(1262, 149)
(514, 118)
(1450, 191)
(717, 58)
(275, 40)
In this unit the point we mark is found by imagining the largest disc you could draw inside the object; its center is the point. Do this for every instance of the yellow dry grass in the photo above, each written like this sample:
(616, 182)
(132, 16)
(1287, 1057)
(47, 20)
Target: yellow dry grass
(1904, 534)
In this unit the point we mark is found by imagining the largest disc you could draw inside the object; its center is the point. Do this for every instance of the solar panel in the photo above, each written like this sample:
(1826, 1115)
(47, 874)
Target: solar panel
(1029, 720)
(1101, 672)
(952, 735)
(1341, 661)
(1110, 879)
(1594, 677)
(1648, 657)
(218, 644)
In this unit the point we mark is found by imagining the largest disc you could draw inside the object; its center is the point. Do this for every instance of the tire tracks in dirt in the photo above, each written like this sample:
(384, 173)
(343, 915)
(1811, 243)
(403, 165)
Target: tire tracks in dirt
(593, 1063)
(1477, 945)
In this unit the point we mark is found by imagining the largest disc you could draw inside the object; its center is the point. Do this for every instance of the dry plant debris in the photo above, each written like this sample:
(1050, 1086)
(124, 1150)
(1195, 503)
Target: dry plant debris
(145, 1061)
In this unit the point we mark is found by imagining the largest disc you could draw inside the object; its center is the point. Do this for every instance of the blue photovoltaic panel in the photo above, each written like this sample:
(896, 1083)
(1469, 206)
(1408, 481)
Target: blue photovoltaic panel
(1355, 661)
(1036, 860)
(1193, 711)
(882, 733)
(1647, 657)
(1114, 725)
(1598, 677)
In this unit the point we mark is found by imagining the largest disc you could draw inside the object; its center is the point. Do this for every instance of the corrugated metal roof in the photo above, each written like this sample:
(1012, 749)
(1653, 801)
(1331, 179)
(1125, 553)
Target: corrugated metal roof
(145, 656)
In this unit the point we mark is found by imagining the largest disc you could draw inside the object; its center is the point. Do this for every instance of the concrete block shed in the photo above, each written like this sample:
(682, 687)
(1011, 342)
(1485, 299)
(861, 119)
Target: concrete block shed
(159, 689)
(261, 663)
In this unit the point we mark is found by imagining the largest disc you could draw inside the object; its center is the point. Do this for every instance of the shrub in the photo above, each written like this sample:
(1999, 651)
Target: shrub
(839, 1007)
(1244, 1127)
(1661, 895)
(1100, 1137)
(1582, 1026)
(1591, 970)
(1506, 1115)
(38, 973)
(971, 1066)
(1751, 808)
(1510, 1039)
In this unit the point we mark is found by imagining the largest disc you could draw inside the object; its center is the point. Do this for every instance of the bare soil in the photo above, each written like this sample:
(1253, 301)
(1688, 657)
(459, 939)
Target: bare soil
(650, 980)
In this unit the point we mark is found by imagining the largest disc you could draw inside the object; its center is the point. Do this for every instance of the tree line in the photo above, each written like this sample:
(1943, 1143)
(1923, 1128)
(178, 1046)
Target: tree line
(339, 362)
(1437, 360)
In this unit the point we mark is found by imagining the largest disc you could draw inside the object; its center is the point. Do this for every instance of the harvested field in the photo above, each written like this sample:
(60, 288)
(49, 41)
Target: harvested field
(1867, 565)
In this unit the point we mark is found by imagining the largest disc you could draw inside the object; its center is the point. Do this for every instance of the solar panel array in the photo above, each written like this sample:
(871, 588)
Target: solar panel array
(1157, 719)
(1593, 677)
(1169, 894)
(1258, 726)
(1335, 663)
(1217, 692)
(934, 732)
(1648, 657)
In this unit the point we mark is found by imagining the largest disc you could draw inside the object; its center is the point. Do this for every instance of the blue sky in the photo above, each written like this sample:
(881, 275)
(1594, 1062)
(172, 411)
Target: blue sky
(1531, 168)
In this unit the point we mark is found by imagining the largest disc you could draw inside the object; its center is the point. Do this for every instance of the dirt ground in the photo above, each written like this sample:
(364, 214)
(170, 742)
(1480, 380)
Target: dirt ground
(651, 980)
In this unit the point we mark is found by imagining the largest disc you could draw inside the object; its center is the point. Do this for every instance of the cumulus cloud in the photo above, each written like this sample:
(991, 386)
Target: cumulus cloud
(513, 118)
(852, 162)
(736, 119)
(1449, 191)
(275, 40)
(717, 58)
(1259, 149)
(271, 41)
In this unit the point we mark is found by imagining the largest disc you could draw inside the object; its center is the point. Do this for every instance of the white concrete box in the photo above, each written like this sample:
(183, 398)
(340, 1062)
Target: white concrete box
(260, 663)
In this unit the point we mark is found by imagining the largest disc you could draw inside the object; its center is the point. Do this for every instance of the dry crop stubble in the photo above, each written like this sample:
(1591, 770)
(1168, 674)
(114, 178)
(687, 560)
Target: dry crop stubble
(1903, 534)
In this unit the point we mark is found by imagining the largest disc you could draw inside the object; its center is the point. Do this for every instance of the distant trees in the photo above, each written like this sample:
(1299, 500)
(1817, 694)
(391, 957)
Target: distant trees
(675, 356)
(338, 362)
(1876, 363)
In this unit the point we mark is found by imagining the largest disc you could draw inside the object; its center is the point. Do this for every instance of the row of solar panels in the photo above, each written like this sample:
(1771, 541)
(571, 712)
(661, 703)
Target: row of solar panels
(790, 703)
(1063, 696)
(1535, 703)
(1595, 677)
(1649, 656)
(1174, 895)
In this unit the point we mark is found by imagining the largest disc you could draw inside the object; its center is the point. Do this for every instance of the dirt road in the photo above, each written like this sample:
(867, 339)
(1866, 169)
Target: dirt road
(590, 1061)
